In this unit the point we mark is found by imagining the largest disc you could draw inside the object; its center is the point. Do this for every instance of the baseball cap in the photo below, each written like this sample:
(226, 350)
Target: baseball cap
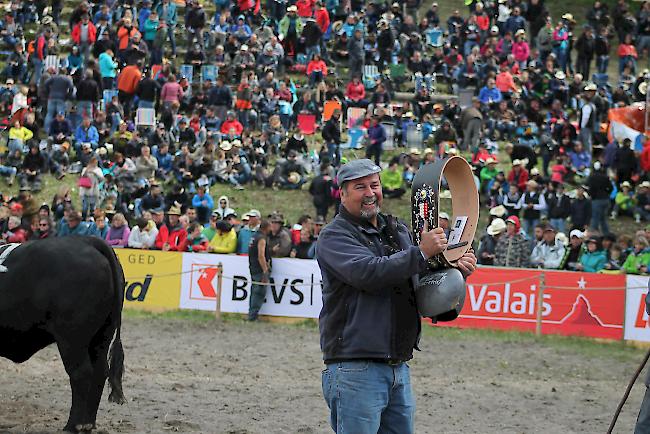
(356, 169)
(443, 215)
(577, 233)
(254, 213)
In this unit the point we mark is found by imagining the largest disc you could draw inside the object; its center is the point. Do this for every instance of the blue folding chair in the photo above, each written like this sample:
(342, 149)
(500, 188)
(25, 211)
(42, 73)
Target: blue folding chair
(209, 72)
(187, 71)
(355, 135)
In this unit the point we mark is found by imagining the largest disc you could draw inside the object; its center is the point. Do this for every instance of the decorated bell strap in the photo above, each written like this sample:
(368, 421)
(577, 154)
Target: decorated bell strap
(425, 206)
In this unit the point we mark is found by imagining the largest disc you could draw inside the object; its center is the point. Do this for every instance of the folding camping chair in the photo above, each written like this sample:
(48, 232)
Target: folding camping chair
(209, 72)
(370, 74)
(434, 37)
(389, 144)
(355, 137)
(465, 97)
(307, 123)
(397, 74)
(107, 96)
(52, 61)
(145, 117)
(328, 109)
(187, 71)
(155, 70)
(414, 136)
(355, 117)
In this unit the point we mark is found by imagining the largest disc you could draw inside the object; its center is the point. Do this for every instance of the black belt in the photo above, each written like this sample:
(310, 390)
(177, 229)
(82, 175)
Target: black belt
(389, 362)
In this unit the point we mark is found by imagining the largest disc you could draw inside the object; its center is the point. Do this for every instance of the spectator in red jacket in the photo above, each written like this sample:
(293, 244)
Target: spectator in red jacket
(84, 34)
(171, 236)
(355, 93)
(195, 240)
(322, 17)
(305, 8)
(518, 175)
(15, 233)
(231, 122)
(316, 70)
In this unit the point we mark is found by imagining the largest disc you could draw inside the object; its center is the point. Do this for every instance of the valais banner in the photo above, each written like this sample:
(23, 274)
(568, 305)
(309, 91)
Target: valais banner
(577, 304)
(637, 324)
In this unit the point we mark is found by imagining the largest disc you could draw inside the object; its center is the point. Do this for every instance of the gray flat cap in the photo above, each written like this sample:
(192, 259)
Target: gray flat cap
(356, 169)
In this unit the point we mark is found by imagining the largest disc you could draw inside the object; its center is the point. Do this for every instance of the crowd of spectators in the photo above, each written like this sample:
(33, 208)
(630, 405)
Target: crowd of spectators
(229, 100)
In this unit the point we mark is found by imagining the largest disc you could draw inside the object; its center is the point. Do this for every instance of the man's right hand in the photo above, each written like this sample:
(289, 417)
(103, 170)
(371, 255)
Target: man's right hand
(432, 242)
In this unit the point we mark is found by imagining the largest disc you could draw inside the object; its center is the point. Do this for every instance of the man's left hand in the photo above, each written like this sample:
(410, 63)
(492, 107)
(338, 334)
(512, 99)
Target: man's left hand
(467, 264)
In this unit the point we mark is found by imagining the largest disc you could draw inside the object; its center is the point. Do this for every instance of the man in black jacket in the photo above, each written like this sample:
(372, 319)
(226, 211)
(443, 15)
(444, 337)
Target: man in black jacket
(370, 323)
(220, 97)
(600, 188)
(88, 94)
(580, 209)
(559, 208)
(147, 91)
(194, 23)
(332, 137)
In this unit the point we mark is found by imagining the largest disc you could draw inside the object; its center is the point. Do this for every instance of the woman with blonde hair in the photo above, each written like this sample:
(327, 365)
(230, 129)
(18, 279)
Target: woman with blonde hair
(118, 233)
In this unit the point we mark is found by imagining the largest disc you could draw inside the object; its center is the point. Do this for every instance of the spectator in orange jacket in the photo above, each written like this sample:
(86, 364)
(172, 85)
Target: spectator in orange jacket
(172, 235)
(127, 83)
(124, 33)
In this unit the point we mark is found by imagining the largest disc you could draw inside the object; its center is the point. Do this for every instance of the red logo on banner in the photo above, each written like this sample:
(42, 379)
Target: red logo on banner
(508, 299)
(641, 315)
(202, 277)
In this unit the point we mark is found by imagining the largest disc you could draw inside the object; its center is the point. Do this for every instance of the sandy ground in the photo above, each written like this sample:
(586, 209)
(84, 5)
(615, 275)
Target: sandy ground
(188, 376)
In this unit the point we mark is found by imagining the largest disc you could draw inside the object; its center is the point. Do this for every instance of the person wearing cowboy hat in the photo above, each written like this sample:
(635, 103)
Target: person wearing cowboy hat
(588, 117)
(547, 253)
(642, 209)
(488, 243)
(624, 201)
(533, 203)
(290, 28)
(171, 235)
(488, 172)
(512, 249)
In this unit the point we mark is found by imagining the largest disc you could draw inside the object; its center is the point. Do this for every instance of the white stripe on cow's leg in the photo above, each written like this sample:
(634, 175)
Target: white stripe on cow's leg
(76, 361)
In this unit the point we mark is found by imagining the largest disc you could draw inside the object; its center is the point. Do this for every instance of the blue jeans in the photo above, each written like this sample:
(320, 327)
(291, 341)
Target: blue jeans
(602, 62)
(256, 299)
(366, 397)
(53, 107)
(559, 224)
(528, 225)
(334, 153)
(599, 209)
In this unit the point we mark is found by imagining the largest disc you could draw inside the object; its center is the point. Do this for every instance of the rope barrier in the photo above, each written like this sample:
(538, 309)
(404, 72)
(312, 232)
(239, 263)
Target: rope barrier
(319, 283)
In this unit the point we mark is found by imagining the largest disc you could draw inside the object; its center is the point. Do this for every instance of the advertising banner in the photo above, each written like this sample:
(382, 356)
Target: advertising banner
(585, 304)
(500, 298)
(637, 323)
(507, 299)
(294, 288)
(152, 278)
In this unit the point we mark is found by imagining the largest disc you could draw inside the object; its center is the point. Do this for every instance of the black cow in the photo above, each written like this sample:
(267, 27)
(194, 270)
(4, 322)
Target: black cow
(69, 291)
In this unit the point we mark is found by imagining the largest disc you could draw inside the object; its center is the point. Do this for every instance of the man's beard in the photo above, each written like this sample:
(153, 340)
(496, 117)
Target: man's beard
(372, 213)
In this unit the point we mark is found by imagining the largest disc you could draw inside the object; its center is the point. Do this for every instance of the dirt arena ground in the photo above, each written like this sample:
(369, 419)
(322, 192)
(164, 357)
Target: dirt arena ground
(187, 375)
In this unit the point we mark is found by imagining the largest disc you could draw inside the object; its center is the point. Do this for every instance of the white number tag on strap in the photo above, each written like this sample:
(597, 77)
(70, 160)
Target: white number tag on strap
(4, 254)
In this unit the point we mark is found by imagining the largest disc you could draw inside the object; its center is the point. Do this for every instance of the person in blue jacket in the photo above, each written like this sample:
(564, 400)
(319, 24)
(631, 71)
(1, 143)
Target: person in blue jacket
(203, 203)
(369, 323)
(594, 259)
(86, 133)
(376, 138)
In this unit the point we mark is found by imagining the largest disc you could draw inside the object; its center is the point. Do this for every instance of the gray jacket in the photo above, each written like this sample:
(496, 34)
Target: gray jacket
(369, 309)
(59, 87)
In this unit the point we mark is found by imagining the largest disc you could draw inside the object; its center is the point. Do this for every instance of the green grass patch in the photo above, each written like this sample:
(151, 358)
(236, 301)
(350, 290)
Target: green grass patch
(587, 347)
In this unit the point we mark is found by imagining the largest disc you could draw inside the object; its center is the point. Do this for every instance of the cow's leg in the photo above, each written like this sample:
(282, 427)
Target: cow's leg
(98, 352)
(76, 361)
